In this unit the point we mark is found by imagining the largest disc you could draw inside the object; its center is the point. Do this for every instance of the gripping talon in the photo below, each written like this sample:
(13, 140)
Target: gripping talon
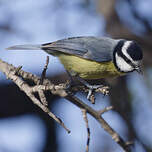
(89, 94)
(91, 88)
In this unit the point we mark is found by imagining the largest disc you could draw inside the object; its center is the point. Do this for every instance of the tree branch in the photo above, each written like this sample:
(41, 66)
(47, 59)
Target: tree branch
(10, 73)
(14, 74)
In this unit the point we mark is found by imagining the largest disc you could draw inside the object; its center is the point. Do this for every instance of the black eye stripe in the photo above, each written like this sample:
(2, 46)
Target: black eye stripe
(126, 59)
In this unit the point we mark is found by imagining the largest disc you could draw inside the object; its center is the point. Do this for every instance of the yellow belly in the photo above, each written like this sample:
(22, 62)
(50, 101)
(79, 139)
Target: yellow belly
(88, 69)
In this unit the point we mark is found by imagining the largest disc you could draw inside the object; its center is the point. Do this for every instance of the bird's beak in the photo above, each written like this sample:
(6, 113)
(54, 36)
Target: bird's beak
(139, 70)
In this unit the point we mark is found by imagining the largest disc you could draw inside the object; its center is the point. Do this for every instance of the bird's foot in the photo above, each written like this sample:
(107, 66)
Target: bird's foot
(96, 88)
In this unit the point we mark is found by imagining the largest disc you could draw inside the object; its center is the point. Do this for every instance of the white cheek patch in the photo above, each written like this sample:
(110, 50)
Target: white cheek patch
(124, 49)
(123, 65)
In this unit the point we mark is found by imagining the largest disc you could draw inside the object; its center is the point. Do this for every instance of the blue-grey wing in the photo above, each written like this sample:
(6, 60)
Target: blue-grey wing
(91, 48)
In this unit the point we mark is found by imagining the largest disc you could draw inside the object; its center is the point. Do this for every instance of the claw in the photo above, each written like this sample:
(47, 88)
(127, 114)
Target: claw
(97, 88)
(91, 88)
(89, 94)
(104, 90)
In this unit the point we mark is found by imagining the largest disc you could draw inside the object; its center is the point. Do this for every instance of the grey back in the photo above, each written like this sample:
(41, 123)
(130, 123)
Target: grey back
(91, 48)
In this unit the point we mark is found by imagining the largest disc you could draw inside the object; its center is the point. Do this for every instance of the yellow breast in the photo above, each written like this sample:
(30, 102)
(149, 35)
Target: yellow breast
(88, 69)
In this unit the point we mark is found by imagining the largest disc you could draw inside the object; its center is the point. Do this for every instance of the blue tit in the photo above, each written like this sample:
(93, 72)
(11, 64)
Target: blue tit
(93, 57)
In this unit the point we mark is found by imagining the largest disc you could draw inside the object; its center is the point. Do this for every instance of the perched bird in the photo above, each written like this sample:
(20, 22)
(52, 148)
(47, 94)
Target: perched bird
(92, 57)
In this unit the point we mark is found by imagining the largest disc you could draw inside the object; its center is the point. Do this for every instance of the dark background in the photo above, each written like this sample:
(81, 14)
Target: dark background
(23, 126)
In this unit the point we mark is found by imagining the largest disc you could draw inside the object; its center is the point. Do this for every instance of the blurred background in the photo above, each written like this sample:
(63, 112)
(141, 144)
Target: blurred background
(23, 126)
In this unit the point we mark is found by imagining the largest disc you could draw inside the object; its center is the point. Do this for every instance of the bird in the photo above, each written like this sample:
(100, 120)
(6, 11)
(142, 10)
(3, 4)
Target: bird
(89, 57)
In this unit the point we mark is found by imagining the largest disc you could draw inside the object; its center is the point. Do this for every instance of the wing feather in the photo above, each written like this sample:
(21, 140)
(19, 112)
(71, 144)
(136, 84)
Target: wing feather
(91, 48)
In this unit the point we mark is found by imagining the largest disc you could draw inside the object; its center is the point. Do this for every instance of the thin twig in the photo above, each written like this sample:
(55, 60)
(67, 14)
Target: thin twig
(105, 110)
(84, 113)
(44, 70)
(42, 98)
(43, 75)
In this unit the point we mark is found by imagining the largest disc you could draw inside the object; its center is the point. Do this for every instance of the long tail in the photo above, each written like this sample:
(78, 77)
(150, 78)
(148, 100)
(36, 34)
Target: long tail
(25, 47)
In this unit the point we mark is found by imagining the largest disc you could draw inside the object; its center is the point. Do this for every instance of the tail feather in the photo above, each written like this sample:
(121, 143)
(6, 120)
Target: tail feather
(25, 47)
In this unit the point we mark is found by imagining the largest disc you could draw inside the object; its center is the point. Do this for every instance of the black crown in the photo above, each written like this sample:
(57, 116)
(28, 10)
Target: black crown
(135, 51)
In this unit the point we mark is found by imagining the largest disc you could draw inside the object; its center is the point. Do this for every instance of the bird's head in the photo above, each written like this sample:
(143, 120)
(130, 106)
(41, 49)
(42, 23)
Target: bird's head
(128, 56)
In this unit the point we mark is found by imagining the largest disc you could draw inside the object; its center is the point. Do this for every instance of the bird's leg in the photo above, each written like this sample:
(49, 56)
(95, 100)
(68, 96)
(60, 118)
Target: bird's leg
(89, 85)
(71, 80)
(91, 88)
